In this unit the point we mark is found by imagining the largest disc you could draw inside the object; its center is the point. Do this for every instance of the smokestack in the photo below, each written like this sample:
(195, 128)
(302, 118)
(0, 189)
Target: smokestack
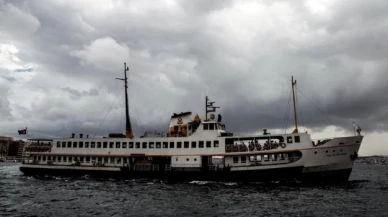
(81, 135)
(72, 135)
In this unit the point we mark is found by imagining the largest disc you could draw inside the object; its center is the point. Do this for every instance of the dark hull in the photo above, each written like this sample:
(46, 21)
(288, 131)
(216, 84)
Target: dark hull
(280, 174)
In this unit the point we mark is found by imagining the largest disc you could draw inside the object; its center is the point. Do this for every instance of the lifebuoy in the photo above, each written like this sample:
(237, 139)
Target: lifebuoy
(283, 145)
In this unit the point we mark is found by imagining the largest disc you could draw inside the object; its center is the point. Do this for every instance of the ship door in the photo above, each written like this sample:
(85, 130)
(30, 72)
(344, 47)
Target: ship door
(205, 162)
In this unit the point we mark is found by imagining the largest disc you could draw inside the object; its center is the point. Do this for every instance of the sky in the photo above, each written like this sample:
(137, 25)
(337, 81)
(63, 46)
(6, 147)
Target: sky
(59, 61)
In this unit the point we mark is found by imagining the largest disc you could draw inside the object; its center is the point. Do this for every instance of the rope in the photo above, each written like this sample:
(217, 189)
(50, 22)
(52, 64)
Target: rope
(118, 88)
(137, 114)
(285, 121)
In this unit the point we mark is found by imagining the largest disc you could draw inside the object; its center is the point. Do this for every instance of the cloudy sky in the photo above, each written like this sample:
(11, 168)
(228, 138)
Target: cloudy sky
(59, 61)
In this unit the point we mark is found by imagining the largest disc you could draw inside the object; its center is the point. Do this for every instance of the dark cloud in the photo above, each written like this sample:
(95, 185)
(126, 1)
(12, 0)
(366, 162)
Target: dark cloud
(65, 56)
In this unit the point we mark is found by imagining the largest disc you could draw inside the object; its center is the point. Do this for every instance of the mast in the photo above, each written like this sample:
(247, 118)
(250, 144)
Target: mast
(293, 83)
(209, 105)
(128, 127)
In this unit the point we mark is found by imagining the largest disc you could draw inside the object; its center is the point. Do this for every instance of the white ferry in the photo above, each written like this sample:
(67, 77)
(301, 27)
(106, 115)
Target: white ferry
(196, 150)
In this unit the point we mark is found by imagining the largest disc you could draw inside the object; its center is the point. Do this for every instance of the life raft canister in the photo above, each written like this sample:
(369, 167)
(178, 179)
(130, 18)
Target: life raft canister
(283, 145)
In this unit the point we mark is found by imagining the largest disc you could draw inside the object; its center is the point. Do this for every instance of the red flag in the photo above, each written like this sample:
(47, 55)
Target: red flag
(24, 131)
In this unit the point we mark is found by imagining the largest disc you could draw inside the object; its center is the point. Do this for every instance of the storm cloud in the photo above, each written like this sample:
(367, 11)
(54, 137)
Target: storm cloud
(59, 61)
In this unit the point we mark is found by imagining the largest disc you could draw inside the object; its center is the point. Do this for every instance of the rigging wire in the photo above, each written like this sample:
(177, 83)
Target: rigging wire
(137, 114)
(285, 121)
(299, 111)
(317, 108)
(118, 89)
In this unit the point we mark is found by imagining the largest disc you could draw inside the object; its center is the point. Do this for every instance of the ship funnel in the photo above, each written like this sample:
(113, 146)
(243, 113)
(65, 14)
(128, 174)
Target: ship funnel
(72, 135)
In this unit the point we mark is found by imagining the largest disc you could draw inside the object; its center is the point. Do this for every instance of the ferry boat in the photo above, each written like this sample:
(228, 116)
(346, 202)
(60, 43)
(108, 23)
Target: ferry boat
(195, 149)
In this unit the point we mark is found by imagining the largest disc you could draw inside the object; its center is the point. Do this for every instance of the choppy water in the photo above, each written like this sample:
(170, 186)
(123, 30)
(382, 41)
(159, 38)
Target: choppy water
(365, 195)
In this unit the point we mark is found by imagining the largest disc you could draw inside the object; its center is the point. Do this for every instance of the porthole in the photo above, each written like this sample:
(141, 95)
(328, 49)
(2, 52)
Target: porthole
(333, 150)
(341, 150)
(327, 151)
(176, 159)
(315, 152)
(195, 159)
(187, 159)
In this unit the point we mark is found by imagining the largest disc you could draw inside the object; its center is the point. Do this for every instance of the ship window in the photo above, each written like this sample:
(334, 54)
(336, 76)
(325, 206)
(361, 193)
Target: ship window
(112, 160)
(125, 160)
(44, 158)
(216, 126)
(69, 144)
(266, 157)
(289, 139)
(274, 157)
(81, 159)
(117, 144)
(165, 144)
(258, 158)
(151, 145)
(105, 145)
(86, 144)
(186, 144)
(158, 145)
(179, 145)
(74, 144)
(216, 143)
(252, 158)
(81, 144)
(235, 160)
(124, 145)
(58, 144)
(99, 159)
(130, 145)
(171, 144)
(297, 139)
(87, 160)
(63, 144)
(93, 145)
(193, 144)
(200, 144)
(144, 145)
(211, 126)
(243, 159)
(137, 144)
(208, 144)
(59, 159)
(118, 160)
(176, 159)
(98, 144)
(65, 159)
(111, 145)
(105, 160)
(206, 126)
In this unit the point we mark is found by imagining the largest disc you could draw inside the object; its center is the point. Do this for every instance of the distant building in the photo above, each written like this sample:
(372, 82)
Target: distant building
(10, 147)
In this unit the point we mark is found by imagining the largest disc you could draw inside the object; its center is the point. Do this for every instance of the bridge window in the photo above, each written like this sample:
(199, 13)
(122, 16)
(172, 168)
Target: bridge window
(58, 144)
(98, 144)
(193, 144)
(186, 144)
(117, 144)
(211, 126)
(93, 145)
(206, 126)
(151, 145)
(130, 145)
(81, 144)
(297, 139)
(63, 144)
(105, 144)
(69, 144)
(165, 144)
(200, 144)
(171, 144)
(235, 160)
(111, 145)
(124, 145)
(158, 145)
(289, 139)
(86, 144)
(137, 144)
(208, 144)
(144, 145)
(216, 143)
(74, 144)
(243, 159)
(179, 145)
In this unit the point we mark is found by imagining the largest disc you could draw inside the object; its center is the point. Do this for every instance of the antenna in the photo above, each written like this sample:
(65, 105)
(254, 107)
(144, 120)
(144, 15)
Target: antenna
(209, 105)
